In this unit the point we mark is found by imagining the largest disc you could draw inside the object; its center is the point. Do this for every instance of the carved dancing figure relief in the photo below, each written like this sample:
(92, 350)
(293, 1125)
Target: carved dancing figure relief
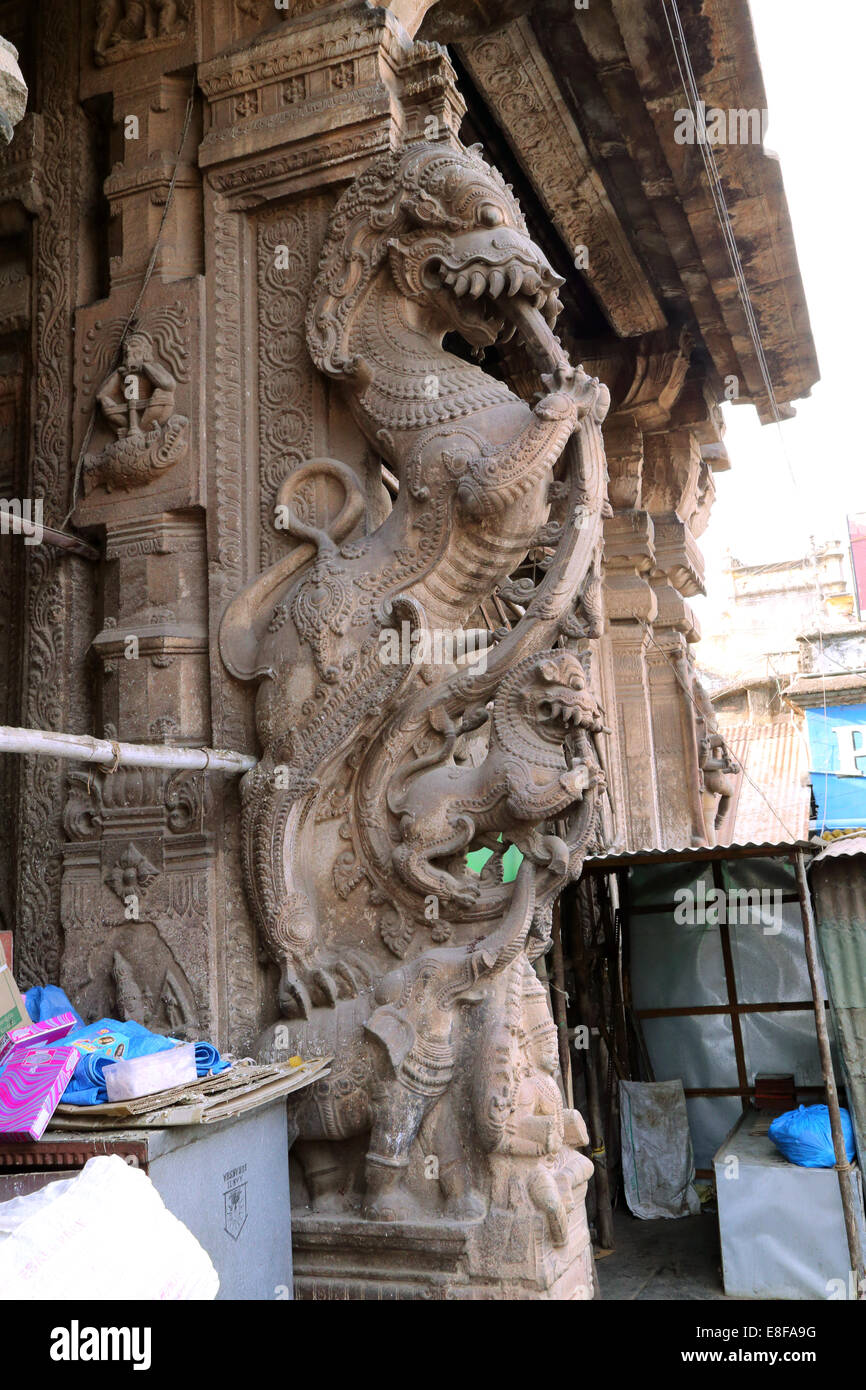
(122, 26)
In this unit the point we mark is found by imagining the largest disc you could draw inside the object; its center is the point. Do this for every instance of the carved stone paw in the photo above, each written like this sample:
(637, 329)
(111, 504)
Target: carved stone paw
(327, 979)
(391, 1206)
(469, 1206)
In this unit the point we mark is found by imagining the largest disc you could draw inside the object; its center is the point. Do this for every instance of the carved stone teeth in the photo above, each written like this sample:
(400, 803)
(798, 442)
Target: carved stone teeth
(515, 279)
(496, 283)
(551, 307)
(461, 284)
(540, 300)
(508, 334)
(531, 283)
(449, 276)
(477, 285)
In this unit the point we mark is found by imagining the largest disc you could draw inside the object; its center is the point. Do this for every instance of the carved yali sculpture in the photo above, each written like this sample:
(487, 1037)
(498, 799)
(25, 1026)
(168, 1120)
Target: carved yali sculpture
(377, 777)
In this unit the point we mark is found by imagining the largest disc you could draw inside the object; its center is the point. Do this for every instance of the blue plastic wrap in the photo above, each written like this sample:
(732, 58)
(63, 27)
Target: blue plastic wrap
(105, 1042)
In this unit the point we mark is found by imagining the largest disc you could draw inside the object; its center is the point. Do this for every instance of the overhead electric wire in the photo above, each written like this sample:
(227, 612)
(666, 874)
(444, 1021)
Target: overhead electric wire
(696, 107)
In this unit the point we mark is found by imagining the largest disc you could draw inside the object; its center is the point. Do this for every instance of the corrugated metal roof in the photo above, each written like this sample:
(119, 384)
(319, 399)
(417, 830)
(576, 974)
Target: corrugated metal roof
(846, 846)
(816, 683)
(776, 759)
(623, 859)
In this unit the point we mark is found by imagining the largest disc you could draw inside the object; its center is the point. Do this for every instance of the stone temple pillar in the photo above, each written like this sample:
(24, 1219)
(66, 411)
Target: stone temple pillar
(662, 440)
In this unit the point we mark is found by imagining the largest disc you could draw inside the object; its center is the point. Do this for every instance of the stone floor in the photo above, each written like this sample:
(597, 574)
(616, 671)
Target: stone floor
(663, 1260)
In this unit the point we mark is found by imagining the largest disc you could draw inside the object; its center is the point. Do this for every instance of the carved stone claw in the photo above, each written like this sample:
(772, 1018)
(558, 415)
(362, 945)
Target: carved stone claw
(326, 986)
(293, 996)
(351, 976)
(466, 894)
(322, 985)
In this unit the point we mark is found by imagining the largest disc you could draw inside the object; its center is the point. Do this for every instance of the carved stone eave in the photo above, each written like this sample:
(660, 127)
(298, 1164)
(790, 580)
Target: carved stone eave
(674, 183)
(525, 99)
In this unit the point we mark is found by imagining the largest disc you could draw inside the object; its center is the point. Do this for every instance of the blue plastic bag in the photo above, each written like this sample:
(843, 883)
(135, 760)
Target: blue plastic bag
(805, 1138)
(45, 1001)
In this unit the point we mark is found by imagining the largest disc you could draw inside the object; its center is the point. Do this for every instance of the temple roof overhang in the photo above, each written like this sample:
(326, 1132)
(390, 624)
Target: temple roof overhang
(584, 103)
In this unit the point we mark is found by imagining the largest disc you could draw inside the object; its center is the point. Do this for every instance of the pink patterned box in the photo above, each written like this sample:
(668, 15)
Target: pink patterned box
(36, 1034)
(31, 1084)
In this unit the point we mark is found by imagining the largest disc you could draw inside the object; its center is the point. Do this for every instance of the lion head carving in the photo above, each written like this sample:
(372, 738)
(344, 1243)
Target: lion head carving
(545, 697)
(455, 241)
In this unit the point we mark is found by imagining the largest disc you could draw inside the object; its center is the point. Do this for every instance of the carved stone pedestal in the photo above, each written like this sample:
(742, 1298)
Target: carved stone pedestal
(507, 1255)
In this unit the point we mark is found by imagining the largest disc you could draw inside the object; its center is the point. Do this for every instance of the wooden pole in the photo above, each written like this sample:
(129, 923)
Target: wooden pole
(843, 1167)
(595, 1119)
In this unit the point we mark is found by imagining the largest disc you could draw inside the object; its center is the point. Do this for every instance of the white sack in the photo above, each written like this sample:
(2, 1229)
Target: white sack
(658, 1164)
(104, 1234)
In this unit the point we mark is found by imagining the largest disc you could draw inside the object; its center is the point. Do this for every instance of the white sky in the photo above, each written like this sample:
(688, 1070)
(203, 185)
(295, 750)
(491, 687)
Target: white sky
(812, 59)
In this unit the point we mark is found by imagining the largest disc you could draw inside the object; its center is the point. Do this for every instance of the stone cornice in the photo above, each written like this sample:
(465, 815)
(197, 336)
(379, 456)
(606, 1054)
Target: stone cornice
(317, 91)
(524, 97)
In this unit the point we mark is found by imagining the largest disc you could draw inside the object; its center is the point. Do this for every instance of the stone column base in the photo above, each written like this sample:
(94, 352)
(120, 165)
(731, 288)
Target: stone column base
(344, 1257)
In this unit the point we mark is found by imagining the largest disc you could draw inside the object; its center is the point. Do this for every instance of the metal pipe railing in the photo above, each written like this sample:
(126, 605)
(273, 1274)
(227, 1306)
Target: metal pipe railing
(110, 753)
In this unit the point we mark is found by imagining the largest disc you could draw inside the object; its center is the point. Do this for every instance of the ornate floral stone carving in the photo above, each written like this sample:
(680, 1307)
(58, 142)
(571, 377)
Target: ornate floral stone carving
(131, 873)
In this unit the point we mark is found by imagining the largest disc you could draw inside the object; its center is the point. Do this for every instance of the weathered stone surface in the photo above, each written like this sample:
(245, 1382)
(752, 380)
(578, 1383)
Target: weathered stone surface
(13, 91)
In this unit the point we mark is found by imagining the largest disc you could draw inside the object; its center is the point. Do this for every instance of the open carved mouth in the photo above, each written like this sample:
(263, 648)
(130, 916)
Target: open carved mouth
(495, 298)
(558, 712)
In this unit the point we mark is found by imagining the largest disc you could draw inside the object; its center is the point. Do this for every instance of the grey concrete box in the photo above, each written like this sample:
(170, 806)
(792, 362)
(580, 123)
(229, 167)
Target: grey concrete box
(229, 1183)
(781, 1227)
